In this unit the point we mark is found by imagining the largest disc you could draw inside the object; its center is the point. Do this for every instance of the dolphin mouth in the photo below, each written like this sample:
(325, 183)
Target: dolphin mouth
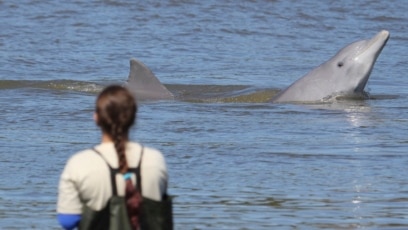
(382, 34)
(373, 48)
(379, 39)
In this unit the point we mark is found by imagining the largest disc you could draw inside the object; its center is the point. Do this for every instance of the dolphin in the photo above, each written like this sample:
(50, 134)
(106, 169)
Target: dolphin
(345, 74)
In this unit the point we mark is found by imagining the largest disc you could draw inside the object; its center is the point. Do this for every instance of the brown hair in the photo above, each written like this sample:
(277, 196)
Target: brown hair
(116, 112)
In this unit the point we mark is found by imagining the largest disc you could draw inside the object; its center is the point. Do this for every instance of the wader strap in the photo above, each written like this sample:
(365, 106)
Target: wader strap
(138, 172)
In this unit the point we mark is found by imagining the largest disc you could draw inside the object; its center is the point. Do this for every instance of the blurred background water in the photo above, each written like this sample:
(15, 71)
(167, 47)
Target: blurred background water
(232, 165)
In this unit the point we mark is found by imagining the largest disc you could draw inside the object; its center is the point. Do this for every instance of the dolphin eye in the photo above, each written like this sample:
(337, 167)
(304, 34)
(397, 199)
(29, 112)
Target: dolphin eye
(340, 64)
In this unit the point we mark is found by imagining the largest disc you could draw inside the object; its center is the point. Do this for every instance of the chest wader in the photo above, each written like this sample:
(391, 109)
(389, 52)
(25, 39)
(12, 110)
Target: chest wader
(114, 216)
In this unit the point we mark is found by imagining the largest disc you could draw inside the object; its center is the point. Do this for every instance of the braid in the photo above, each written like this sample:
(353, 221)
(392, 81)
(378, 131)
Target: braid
(119, 141)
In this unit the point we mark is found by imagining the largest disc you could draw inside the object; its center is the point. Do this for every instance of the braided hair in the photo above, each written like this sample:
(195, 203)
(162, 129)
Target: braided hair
(116, 112)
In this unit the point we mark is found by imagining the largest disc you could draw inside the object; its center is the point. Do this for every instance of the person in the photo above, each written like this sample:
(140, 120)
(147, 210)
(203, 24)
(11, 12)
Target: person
(85, 180)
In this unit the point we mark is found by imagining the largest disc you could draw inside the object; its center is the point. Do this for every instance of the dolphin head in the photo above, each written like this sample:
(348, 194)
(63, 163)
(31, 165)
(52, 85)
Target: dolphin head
(352, 65)
(345, 74)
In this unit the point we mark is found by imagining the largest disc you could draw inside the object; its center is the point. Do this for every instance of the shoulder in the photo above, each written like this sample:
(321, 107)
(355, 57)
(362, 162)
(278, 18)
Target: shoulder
(151, 156)
(82, 156)
(82, 161)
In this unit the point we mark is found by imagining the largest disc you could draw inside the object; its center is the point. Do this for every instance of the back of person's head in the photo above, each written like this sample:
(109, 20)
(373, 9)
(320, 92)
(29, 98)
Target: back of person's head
(115, 113)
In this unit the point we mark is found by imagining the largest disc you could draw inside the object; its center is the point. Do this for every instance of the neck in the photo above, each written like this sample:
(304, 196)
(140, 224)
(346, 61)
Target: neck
(106, 138)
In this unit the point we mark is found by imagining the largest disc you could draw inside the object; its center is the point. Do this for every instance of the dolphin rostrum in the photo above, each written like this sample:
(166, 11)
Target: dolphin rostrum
(345, 74)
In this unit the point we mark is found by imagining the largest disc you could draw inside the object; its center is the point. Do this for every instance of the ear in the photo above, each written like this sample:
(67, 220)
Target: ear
(95, 117)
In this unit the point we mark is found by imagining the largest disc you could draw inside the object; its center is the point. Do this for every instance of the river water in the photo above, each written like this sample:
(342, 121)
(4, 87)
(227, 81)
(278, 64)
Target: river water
(233, 164)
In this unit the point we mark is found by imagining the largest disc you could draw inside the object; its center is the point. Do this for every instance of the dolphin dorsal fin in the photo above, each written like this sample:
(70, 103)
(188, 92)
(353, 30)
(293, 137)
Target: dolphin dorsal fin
(144, 84)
